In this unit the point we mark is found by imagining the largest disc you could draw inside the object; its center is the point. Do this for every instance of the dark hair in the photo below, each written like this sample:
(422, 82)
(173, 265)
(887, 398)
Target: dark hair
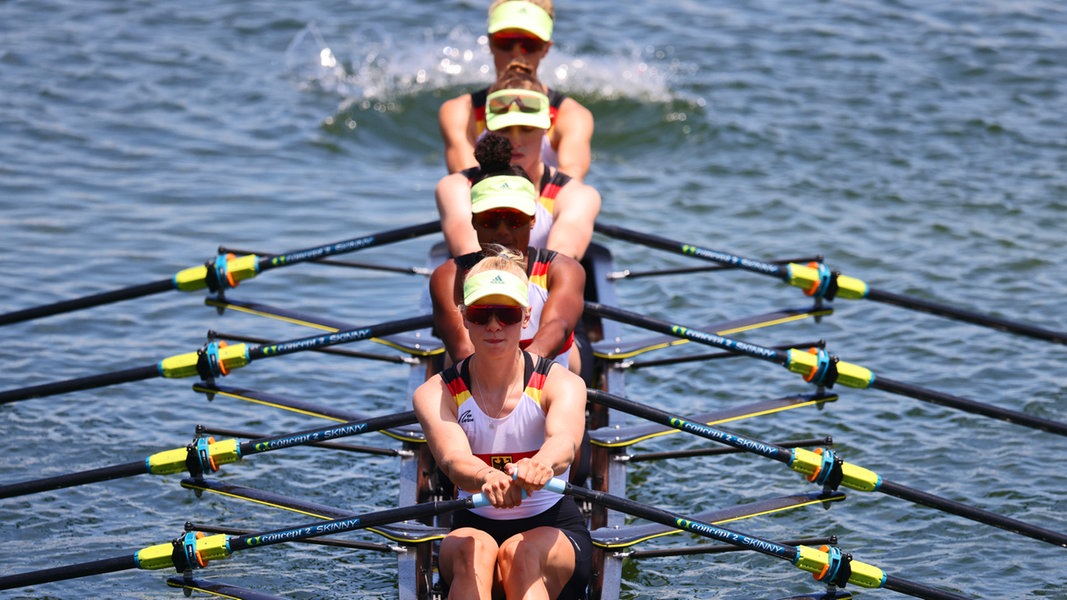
(493, 153)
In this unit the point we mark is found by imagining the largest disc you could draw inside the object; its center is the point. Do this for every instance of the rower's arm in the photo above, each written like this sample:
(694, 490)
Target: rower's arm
(564, 401)
(458, 131)
(562, 309)
(572, 137)
(447, 318)
(577, 206)
(453, 196)
(436, 412)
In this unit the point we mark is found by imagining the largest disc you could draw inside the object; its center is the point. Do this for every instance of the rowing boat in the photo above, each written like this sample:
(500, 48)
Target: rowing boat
(420, 482)
(611, 437)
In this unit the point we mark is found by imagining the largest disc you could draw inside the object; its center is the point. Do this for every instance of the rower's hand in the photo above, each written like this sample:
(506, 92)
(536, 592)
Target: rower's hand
(529, 474)
(501, 490)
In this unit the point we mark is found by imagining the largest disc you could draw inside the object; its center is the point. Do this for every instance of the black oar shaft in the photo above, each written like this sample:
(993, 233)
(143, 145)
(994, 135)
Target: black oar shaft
(309, 254)
(710, 339)
(967, 316)
(128, 293)
(340, 337)
(80, 383)
(628, 274)
(700, 452)
(918, 590)
(975, 514)
(855, 288)
(785, 456)
(770, 548)
(338, 263)
(293, 534)
(233, 337)
(96, 567)
(988, 410)
(248, 435)
(73, 479)
(655, 241)
(184, 369)
(778, 453)
(309, 436)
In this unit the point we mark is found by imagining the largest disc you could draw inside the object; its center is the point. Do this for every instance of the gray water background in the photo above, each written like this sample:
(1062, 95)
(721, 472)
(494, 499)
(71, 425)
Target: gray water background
(919, 146)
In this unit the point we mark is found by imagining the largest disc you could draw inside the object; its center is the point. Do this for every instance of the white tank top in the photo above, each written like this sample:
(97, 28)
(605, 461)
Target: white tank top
(518, 435)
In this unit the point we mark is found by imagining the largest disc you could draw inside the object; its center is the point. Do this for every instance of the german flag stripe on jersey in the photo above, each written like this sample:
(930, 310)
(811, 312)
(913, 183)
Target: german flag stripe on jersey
(458, 388)
(539, 261)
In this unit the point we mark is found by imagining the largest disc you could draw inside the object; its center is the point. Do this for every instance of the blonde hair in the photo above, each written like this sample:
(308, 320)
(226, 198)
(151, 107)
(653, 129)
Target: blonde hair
(500, 258)
(544, 4)
(518, 75)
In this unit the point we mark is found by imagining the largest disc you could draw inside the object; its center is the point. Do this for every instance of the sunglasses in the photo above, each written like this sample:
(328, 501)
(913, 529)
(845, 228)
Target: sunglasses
(492, 219)
(503, 102)
(507, 43)
(479, 314)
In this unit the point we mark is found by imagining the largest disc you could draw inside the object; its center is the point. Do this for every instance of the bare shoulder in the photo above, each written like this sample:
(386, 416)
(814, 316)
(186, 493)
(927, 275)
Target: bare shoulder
(453, 181)
(574, 110)
(458, 109)
(429, 394)
(578, 195)
(561, 383)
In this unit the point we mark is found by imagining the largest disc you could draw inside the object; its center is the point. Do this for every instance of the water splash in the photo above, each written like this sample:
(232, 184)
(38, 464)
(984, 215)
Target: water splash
(376, 68)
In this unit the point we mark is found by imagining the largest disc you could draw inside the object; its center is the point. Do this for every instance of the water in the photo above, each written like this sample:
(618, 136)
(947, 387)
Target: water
(919, 146)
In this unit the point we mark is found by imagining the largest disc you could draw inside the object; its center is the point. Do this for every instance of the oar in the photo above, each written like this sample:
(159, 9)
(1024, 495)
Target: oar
(225, 271)
(400, 360)
(214, 360)
(194, 550)
(826, 468)
(205, 455)
(190, 584)
(628, 274)
(827, 564)
(820, 368)
(659, 362)
(350, 264)
(358, 449)
(817, 280)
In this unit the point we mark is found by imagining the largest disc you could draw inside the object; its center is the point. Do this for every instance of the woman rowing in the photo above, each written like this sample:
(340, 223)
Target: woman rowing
(503, 422)
(566, 208)
(519, 29)
(503, 206)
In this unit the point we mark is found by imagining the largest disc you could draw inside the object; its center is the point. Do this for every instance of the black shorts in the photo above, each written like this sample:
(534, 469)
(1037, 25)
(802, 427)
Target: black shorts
(565, 516)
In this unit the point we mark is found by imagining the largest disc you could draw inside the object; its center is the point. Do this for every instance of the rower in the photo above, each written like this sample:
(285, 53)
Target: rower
(502, 208)
(503, 422)
(566, 207)
(519, 29)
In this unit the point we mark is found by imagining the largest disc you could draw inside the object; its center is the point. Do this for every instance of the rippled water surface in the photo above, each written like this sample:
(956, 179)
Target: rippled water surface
(918, 146)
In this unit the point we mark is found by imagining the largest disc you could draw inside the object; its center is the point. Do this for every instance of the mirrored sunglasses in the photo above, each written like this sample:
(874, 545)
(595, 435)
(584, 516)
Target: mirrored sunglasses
(500, 104)
(479, 314)
(507, 42)
(491, 219)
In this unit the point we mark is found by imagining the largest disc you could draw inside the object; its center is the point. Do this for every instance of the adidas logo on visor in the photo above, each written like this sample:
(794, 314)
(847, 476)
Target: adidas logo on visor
(497, 279)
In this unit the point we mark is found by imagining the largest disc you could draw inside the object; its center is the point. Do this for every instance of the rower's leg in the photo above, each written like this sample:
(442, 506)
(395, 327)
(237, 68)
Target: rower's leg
(466, 562)
(536, 564)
